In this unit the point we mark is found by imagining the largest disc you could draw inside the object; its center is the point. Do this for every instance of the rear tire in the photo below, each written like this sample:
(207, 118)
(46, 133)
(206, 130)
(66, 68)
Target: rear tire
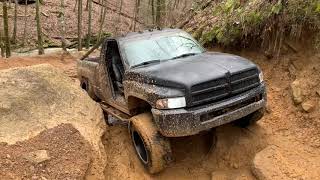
(251, 118)
(153, 150)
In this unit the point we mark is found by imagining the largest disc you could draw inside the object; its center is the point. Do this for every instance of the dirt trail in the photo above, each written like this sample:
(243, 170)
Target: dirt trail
(285, 126)
(66, 62)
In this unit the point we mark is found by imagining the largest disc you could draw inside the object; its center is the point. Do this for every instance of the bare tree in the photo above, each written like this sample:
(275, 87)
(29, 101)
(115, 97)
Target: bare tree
(25, 23)
(89, 24)
(6, 29)
(62, 25)
(101, 9)
(152, 12)
(1, 44)
(14, 36)
(75, 6)
(79, 25)
(119, 17)
(136, 14)
(160, 9)
(87, 5)
(102, 19)
(39, 30)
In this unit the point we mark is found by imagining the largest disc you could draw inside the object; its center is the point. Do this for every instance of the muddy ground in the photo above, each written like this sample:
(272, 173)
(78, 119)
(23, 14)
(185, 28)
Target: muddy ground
(289, 130)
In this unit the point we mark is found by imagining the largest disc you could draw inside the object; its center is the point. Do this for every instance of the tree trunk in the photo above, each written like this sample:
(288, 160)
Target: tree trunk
(75, 6)
(152, 12)
(136, 14)
(101, 10)
(62, 25)
(25, 23)
(39, 30)
(14, 36)
(1, 44)
(119, 17)
(87, 5)
(79, 25)
(89, 24)
(160, 9)
(102, 20)
(6, 29)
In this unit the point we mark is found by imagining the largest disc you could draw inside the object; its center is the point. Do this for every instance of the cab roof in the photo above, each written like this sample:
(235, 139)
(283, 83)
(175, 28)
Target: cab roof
(148, 34)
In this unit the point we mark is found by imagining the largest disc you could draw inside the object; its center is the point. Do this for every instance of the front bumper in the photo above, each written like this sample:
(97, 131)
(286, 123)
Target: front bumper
(190, 121)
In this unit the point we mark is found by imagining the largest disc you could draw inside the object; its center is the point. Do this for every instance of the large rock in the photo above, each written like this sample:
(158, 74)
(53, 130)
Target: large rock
(308, 106)
(37, 98)
(286, 163)
(37, 157)
(297, 92)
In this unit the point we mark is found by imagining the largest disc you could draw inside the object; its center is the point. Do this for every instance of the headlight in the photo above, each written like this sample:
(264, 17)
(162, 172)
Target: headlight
(261, 77)
(171, 103)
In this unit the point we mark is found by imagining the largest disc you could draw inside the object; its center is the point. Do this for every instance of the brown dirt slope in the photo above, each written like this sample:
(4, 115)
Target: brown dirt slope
(69, 156)
(36, 98)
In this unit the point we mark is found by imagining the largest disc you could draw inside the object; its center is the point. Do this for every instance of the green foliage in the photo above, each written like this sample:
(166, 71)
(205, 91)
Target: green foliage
(230, 5)
(233, 21)
(317, 7)
(277, 7)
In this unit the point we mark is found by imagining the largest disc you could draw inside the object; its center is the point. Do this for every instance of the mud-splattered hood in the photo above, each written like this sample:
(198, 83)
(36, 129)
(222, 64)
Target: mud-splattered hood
(186, 72)
(202, 78)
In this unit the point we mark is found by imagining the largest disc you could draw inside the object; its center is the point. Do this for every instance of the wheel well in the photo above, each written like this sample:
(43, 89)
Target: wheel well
(137, 105)
(84, 84)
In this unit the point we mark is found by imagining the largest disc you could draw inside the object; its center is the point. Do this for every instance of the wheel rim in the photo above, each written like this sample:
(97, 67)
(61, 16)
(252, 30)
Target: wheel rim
(140, 147)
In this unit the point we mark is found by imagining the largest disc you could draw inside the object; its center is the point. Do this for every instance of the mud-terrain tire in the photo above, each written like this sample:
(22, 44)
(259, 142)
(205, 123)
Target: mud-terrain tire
(153, 150)
(88, 88)
(251, 118)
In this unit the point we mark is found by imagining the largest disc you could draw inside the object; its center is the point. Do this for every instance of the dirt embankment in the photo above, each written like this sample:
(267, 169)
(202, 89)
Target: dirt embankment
(36, 99)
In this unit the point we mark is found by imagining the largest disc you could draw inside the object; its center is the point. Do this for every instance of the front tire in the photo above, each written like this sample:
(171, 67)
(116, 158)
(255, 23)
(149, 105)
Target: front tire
(152, 148)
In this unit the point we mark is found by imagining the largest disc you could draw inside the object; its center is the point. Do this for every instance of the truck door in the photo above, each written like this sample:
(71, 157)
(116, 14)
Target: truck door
(110, 76)
(103, 79)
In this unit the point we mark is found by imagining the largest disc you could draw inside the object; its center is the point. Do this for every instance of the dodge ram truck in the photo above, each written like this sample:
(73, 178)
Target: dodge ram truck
(164, 84)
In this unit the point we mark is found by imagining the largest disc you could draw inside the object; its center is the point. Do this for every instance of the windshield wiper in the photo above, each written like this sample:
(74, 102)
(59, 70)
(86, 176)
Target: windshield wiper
(185, 55)
(146, 63)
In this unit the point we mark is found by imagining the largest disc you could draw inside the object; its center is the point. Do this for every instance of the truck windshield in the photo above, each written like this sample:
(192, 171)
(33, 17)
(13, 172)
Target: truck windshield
(157, 49)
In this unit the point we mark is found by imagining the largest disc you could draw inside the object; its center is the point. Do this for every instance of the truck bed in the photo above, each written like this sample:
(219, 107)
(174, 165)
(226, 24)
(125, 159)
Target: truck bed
(87, 68)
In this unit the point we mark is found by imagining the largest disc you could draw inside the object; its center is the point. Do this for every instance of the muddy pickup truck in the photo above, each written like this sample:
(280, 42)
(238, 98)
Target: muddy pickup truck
(164, 84)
